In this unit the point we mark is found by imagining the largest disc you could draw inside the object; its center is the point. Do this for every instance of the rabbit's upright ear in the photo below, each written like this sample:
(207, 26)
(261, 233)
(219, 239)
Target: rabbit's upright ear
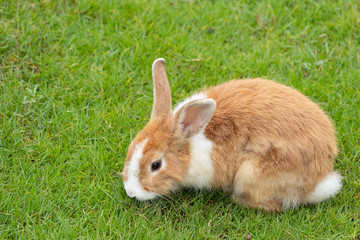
(193, 117)
(162, 95)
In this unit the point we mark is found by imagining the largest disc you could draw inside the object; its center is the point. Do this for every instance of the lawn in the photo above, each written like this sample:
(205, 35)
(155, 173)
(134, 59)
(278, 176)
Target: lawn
(75, 82)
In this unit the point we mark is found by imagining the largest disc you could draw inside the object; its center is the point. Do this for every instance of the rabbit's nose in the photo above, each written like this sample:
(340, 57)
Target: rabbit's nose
(130, 193)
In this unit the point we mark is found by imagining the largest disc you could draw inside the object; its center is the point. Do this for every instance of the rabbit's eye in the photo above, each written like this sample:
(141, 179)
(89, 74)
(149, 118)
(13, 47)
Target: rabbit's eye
(156, 165)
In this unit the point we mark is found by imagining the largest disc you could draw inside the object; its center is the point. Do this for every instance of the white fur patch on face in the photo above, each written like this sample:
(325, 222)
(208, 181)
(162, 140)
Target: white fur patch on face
(201, 170)
(133, 186)
(197, 96)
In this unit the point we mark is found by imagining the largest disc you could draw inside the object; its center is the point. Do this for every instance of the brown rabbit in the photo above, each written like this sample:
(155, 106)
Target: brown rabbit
(265, 143)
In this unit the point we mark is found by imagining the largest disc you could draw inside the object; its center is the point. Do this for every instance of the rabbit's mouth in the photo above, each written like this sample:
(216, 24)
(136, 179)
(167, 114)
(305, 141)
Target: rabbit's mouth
(134, 190)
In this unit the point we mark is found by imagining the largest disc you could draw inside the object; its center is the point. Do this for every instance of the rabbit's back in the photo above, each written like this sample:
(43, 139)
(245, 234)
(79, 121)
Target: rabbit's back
(286, 129)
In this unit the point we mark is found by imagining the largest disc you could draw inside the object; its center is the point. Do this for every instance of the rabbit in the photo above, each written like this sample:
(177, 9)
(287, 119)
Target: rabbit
(264, 143)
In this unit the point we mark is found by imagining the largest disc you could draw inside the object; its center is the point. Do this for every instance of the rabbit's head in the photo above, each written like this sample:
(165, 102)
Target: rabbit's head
(159, 157)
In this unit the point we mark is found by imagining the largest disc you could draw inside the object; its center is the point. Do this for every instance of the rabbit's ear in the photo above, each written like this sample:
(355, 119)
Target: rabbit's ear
(193, 117)
(162, 95)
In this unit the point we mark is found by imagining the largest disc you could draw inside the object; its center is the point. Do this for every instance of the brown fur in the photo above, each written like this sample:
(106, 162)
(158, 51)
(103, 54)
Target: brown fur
(274, 130)
(161, 143)
(162, 98)
(271, 144)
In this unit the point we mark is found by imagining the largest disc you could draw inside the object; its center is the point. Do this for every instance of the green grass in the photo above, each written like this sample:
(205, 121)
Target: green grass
(75, 82)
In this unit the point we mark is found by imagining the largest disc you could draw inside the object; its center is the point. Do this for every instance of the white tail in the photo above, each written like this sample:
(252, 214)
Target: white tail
(327, 188)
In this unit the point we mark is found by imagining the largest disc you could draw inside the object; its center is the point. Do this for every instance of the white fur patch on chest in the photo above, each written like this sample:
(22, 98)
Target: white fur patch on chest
(201, 170)
(201, 95)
